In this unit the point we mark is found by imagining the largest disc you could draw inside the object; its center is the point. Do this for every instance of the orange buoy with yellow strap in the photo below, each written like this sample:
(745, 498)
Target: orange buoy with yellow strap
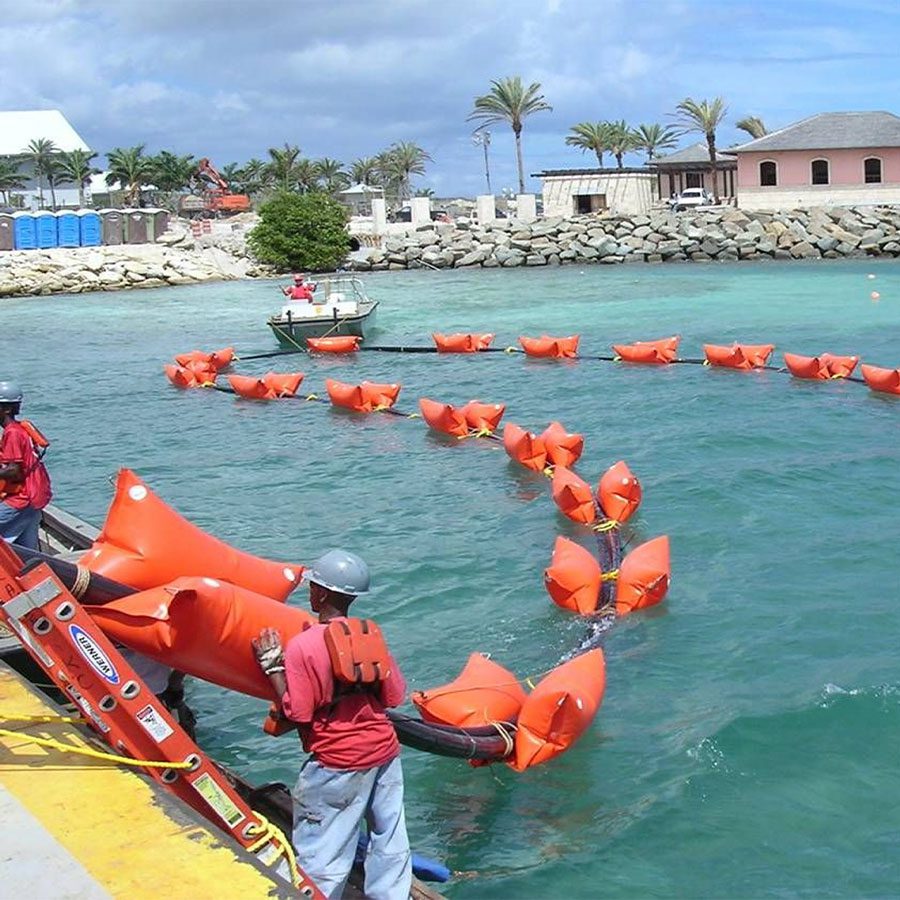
(656, 352)
(573, 496)
(525, 448)
(365, 397)
(484, 417)
(249, 387)
(381, 396)
(202, 626)
(551, 347)
(217, 359)
(564, 448)
(145, 543)
(839, 366)
(484, 692)
(809, 367)
(194, 374)
(887, 381)
(335, 344)
(461, 343)
(574, 577)
(443, 417)
(270, 386)
(619, 492)
(738, 356)
(644, 576)
(283, 384)
(559, 710)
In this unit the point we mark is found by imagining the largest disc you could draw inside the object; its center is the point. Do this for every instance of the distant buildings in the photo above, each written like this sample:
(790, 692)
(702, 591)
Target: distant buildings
(689, 168)
(572, 192)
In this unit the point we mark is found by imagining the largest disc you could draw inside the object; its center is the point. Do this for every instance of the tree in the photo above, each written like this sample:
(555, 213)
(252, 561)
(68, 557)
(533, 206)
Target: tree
(403, 160)
(254, 177)
(307, 177)
(593, 136)
(622, 140)
(130, 169)
(283, 166)
(76, 168)
(363, 170)
(753, 125)
(387, 174)
(331, 171)
(11, 179)
(305, 231)
(172, 174)
(40, 153)
(655, 137)
(704, 116)
(510, 101)
(55, 176)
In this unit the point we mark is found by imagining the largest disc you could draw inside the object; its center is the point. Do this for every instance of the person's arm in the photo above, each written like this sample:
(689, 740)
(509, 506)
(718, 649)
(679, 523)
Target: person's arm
(393, 688)
(11, 471)
(270, 656)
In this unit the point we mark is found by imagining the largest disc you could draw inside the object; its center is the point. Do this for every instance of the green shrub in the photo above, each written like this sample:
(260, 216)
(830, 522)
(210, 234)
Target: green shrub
(301, 231)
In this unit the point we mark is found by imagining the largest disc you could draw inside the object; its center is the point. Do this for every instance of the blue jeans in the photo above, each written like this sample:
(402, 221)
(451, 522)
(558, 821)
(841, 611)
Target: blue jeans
(20, 525)
(330, 805)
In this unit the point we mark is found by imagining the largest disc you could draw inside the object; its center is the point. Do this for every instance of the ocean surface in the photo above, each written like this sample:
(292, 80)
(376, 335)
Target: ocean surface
(747, 745)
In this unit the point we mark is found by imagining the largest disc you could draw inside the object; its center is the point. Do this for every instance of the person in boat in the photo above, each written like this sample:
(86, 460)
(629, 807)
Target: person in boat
(24, 481)
(354, 771)
(300, 290)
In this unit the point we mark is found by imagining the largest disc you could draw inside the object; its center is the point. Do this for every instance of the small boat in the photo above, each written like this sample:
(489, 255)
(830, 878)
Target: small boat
(341, 306)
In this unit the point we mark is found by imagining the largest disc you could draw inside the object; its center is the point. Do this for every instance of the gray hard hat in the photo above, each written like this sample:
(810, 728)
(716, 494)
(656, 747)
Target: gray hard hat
(341, 571)
(10, 392)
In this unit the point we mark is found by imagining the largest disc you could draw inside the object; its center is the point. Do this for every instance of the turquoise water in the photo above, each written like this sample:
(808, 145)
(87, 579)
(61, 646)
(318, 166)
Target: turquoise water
(747, 743)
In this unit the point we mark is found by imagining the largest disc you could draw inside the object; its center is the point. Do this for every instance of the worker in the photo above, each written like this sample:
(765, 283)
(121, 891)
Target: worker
(299, 290)
(354, 770)
(24, 482)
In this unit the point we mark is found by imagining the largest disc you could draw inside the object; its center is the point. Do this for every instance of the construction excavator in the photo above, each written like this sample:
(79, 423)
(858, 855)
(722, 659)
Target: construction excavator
(213, 197)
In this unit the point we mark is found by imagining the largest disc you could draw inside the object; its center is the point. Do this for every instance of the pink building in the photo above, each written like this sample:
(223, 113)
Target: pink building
(831, 159)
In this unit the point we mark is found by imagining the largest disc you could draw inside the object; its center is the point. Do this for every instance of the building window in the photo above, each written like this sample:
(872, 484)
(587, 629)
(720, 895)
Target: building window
(693, 179)
(872, 167)
(768, 174)
(820, 171)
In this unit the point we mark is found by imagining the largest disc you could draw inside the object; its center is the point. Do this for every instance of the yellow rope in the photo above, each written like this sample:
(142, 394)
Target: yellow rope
(82, 581)
(269, 833)
(413, 416)
(312, 396)
(53, 718)
(611, 575)
(607, 525)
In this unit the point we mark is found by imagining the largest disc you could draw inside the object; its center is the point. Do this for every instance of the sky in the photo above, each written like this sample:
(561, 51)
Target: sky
(345, 79)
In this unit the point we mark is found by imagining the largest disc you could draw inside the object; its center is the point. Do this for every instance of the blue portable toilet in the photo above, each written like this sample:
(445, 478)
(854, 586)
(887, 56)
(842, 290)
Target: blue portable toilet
(68, 233)
(90, 232)
(24, 230)
(45, 226)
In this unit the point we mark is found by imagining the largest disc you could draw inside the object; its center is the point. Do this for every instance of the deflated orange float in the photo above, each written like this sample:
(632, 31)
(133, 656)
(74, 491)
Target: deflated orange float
(738, 356)
(202, 626)
(559, 710)
(217, 359)
(574, 577)
(551, 347)
(484, 692)
(144, 543)
(619, 492)
(194, 374)
(573, 496)
(644, 576)
(461, 343)
(365, 397)
(483, 416)
(656, 352)
(443, 417)
(525, 448)
(564, 448)
(336, 344)
(820, 368)
(885, 380)
(270, 386)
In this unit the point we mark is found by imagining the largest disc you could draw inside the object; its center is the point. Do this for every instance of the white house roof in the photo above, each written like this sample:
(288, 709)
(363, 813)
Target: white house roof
(361, 189)
(831, 131)
(19, 128)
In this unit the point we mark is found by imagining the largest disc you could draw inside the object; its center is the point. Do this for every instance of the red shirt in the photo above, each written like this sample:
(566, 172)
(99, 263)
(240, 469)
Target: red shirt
(351, 733)
(300, 292)
(16, 446)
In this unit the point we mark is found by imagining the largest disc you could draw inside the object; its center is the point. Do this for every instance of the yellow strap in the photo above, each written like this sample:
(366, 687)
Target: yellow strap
(705, 362)
(611, 575)
(617, 358)
(510, 349)
(548, 471)
(312, 397)
(836, 376)
(607, 525)
(413, 416)
(529, 682)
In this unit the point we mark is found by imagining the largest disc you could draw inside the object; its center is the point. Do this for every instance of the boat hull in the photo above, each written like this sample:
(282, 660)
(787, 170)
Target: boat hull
(291, 332)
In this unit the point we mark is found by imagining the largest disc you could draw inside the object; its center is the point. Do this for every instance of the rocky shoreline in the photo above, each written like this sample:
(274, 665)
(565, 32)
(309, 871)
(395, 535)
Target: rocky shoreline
(657, 237)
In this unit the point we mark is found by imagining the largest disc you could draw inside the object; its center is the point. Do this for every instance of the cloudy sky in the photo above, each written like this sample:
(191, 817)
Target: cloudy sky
(345, 78)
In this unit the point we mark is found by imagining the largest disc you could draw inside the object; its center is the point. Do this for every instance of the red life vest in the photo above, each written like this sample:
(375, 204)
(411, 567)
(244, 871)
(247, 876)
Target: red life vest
(34, 477)
(359, 655)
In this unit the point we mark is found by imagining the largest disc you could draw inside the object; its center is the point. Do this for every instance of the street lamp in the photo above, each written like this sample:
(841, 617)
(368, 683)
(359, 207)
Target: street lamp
(482, 138)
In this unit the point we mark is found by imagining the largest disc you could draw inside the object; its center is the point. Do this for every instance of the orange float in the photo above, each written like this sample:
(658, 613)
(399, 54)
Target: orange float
(738, 356)
(461, 343)
(839, 366)
(551, 347)
(202, 626)
(443, 417)
(820, 368)
(887, 381)
(564, 448)
(193, 375)
(483, 416)
(145, 543)
(655, 352)
(573, 496)
(366, 397)
(217, 359)
(337, 344)
(619, 492)
(559, 710)
(525, 448)
(270, 386)
(644, 576)
(484, 692)
(574, 577)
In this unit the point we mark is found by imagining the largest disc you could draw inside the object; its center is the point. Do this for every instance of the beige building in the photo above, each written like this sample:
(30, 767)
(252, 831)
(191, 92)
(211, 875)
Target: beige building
(572, 192)
(689, 168)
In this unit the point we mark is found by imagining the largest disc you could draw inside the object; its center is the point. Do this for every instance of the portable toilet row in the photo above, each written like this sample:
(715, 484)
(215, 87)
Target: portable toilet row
(133, 226)
(23, 230)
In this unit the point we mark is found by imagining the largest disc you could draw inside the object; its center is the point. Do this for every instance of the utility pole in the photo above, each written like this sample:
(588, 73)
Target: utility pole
(482, 139)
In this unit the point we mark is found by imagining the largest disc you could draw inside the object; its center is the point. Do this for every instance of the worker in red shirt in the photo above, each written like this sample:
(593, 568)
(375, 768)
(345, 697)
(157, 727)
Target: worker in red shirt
(353, 772)
(24, 482)
(299, 290)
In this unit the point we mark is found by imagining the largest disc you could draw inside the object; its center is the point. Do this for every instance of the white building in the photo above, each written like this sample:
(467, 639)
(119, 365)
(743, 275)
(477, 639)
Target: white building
(572, 192)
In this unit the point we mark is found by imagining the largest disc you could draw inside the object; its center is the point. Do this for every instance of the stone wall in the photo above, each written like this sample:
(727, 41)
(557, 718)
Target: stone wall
(662, 236)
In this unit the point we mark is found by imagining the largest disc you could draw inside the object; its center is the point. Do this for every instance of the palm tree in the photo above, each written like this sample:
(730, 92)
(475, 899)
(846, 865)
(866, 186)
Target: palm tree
(387, 175)
(363, 170)
(307, 177)
(283, 166)
(510, 101)
(655, 137)
(130, 169)
(39, 153)
(405, 159)
(172, 173)
(704, 116)
(622, 140)
(253, 177)
(331, 171)
(55, 175)
(76, 168)
(11, 179)
(754, 126)
(590, 136)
